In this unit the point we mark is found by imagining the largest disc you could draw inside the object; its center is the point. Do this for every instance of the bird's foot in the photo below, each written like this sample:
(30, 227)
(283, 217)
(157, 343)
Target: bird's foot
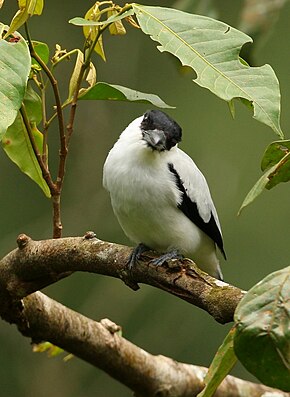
(174, 254)
(136, 254)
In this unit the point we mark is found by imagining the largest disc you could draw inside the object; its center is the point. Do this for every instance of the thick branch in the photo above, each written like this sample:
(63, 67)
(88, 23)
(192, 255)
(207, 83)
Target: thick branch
(101, 345)
(36, 264)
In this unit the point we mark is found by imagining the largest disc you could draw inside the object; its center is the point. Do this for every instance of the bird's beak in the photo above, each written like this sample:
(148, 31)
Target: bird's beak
(156, 139)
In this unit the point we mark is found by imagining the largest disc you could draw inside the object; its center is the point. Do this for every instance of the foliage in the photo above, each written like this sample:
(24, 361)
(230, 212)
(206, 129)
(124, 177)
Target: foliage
(211, 48)
(263, 331)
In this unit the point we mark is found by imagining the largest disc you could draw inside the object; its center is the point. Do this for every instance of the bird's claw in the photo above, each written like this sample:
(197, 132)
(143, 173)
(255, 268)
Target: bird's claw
(136, 255)
(166, 257)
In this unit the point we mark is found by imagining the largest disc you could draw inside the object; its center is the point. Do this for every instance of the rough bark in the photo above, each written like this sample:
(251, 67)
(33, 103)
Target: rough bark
(101, 344)
(36, 264)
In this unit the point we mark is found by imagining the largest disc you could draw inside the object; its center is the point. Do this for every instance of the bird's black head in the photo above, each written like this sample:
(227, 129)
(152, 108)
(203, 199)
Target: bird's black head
(159, 131)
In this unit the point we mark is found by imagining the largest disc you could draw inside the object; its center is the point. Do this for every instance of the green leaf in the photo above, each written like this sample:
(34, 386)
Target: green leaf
(17, 146)
(42, 51)
(91, 31)
(117, 27)
(78, 21)
(262, 339)
(223, 362)
(33, 105)
(15, 67)
(75, 75)
(212, 49)
(27, 8)
(257, 189)
(34, 7)
(274, 153)
(280, 173)
(105, 91)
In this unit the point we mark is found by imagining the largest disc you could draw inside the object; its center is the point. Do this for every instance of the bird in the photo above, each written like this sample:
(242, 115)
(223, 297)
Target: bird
(160, 197)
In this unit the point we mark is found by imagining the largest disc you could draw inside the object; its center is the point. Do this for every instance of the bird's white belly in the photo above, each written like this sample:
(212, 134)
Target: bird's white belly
(162, 227)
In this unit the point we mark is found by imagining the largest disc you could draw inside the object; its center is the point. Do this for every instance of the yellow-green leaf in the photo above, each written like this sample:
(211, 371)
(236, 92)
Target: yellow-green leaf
(223, 362)
(17, 146)
(34, 7)
(90, 32)
(27, 8)
(117, 27)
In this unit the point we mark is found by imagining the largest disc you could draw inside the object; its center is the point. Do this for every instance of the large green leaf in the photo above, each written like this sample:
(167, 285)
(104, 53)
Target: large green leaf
(262, 339)
(15, 64)
(211, 48)
(223, 362)
(105, 91)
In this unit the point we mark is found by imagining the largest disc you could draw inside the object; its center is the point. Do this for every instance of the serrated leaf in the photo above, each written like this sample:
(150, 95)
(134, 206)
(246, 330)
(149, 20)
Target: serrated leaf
(274, 153)
(17, 146)
(15, 67)
(262, 339)
(105, 91)
(223, 362)
(211, 48)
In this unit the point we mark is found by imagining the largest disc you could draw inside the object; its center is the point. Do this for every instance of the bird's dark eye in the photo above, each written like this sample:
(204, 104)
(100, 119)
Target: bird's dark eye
(146, 116)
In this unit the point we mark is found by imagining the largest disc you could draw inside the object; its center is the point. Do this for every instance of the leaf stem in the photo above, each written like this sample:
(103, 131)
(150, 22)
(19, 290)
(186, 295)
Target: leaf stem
(45, 172)
(57, 227)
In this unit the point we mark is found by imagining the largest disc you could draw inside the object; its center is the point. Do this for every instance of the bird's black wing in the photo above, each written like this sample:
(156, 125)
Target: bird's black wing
(189, 208)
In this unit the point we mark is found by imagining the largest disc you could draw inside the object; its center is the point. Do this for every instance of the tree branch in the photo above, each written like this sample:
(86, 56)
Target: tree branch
(101, 345)
(37, 264)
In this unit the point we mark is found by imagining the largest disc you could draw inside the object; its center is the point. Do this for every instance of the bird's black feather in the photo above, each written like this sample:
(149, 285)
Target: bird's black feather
(189, 208)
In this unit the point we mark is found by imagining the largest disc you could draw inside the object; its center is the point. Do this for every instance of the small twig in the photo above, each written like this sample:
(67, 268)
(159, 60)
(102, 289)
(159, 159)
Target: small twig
(57, 226)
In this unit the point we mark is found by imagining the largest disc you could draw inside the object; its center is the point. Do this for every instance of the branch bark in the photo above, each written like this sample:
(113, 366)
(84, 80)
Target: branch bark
(100, 344)
(37, 264)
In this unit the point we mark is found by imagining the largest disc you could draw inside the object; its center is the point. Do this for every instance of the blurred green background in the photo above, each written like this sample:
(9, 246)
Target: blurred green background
(227, 151)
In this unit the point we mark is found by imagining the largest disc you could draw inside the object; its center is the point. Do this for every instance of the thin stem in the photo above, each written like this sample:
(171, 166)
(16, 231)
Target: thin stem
(45, 172)
(44, 122)
(57, 228)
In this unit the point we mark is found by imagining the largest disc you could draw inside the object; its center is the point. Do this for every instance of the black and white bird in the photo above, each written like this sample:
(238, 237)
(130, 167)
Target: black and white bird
(160, 197)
